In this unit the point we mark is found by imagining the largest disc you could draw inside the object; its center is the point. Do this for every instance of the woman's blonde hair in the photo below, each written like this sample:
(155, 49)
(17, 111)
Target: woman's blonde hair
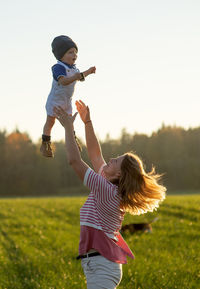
(140, 191)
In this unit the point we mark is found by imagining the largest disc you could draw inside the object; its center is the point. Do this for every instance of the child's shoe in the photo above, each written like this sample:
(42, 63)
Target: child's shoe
(46, 149)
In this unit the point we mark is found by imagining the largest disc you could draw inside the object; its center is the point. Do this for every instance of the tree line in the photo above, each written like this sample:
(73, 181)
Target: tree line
(174, 151)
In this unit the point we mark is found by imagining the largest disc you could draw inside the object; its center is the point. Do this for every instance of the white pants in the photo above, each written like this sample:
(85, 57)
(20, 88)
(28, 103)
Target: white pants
(101, 273)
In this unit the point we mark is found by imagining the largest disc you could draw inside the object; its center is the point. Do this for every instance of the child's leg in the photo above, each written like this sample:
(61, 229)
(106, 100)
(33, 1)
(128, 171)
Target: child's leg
(48, 125)
(45, 148)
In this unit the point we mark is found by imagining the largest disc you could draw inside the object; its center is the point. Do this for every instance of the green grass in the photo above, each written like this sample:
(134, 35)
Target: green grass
(39, 242)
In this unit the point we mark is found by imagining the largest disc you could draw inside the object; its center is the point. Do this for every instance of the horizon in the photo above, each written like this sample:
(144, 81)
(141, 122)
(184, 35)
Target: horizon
(107, 136)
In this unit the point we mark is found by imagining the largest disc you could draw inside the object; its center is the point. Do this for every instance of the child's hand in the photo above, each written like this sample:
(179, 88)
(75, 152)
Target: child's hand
(92, 70)
(83, 111)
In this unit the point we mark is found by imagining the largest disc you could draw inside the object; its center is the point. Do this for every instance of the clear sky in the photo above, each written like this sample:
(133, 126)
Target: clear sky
(147, 55)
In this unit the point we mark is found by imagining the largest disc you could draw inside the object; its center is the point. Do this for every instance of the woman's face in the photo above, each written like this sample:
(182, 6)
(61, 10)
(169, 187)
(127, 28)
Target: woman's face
(113, 168)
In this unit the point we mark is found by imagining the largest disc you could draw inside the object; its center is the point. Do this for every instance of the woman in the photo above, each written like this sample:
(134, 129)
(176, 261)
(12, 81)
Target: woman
(120, 186)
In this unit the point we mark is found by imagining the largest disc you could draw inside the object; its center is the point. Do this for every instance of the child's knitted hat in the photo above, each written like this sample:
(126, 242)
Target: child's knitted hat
(61, 44)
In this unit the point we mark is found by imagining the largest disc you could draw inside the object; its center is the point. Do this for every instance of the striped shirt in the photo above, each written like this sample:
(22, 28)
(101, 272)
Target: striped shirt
(102, 208)
(101, 218)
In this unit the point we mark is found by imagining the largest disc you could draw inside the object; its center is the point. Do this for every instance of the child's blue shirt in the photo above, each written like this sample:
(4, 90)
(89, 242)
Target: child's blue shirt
(59, 70)
(61, 95)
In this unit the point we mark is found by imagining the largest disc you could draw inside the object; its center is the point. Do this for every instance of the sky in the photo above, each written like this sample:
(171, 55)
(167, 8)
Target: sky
(146, 53)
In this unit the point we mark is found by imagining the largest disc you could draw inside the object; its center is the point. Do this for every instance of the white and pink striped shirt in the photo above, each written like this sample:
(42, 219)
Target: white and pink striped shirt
(102, 208)
(101, 219)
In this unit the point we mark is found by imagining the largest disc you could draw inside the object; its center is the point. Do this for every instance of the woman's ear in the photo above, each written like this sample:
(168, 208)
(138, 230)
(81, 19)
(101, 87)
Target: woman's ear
(118, 175)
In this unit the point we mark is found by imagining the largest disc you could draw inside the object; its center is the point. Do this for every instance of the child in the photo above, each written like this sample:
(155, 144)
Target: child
(65, 76)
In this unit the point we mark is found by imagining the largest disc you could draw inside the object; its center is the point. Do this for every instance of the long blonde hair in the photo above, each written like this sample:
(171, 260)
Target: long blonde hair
(140, 191)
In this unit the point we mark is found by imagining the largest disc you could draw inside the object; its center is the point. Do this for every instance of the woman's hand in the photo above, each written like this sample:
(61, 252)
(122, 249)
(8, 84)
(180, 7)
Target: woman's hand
(83, 111)
(64, 118)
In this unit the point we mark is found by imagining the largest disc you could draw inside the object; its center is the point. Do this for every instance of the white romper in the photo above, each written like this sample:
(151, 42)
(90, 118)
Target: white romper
(61, 95)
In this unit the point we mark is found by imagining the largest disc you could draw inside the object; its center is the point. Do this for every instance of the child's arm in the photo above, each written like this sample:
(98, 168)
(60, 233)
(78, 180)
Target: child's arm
(89, 71)
(64, 80)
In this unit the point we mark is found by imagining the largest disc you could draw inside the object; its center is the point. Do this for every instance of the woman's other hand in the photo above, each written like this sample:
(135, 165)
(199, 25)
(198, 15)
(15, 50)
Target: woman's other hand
(64, 118)
(83, 111)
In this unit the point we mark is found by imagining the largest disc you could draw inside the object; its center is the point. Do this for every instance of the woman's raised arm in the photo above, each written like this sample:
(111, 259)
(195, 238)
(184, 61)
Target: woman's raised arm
(73, 154)
(93, 146)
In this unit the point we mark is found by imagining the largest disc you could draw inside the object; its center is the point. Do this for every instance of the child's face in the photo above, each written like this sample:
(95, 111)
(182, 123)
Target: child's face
(70, 56)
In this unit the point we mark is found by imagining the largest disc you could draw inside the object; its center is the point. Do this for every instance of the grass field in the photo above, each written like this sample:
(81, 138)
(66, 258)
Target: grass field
(39, 242)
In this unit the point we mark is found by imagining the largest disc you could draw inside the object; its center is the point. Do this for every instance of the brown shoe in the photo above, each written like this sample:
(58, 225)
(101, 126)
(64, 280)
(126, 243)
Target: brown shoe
(46, 149)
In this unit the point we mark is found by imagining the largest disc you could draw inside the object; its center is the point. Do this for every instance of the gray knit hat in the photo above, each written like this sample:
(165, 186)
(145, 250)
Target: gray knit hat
(61, 44)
